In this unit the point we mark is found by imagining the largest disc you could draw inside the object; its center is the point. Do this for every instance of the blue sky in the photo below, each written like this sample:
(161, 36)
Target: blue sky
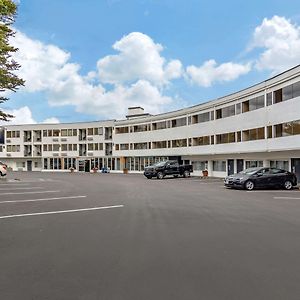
(90, 60)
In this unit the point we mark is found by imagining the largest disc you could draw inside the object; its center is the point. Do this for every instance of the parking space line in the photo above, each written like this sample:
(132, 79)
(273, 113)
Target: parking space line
(61, 211)
(21, 188)
(12, 184)
(286, 198)
(43, 199)
(274, 191)
(39, 192)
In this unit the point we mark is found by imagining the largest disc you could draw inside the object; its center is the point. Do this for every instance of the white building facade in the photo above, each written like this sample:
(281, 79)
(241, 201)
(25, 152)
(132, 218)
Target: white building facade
(258, 126)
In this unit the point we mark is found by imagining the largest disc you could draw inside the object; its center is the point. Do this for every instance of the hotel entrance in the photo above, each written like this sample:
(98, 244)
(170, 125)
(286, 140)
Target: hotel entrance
(296, 167)
(87, 165)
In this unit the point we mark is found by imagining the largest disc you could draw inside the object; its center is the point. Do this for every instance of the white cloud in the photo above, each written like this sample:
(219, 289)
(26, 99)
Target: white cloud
(22, 115)
(47, 68)
(209, 72)
(280, 40)
(139, 58)
(96, 100)
(52, 120)
(42, 66)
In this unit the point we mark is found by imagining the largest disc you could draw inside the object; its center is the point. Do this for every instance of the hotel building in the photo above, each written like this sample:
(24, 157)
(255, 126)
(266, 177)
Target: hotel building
(258, 126)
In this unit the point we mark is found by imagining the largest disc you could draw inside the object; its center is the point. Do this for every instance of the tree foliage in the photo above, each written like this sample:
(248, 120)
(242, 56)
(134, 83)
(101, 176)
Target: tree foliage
(8, 80)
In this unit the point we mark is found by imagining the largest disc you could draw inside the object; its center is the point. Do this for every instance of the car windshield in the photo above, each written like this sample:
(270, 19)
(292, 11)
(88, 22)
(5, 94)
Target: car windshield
(250, 171)
(160, 164)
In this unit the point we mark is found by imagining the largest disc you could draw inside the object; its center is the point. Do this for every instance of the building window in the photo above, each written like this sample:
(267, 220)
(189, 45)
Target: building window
(269, 132)
(225, 138)
(159, 125)
(225, 112)
(120, 130)
(159, 144)
(199, 165)
(254, 134)
(287, 92)
(179, 143)
(280, 164)
(90, 131)
(286, 129)
(278, 96)
(254, 163)
(201, 118)
(56, 132)
(64, 132)
(124, 146)
(178, 122)
(254, 104)
(245, 106)
(238, 108)
(55, 147)
(64, 147)
(269, 99)
(219, 165)
(201, 141)
(140, 146)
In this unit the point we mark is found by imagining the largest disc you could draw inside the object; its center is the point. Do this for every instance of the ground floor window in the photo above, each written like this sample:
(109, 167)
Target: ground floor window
(219, 165)
(139, 163)
(59, 163)
(254, 163)
(199, 165)
(20, 164)
(280, 164)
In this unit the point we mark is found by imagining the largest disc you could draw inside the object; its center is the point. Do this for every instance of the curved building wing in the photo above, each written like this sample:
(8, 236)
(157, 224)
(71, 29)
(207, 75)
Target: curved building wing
(258, 126)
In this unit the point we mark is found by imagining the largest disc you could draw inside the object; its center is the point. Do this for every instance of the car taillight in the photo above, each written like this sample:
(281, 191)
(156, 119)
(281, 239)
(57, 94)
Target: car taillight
(4, 167)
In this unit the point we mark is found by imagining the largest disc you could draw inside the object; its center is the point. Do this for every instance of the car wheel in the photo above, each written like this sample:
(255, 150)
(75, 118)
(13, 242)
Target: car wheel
(288, 185)
(149, 177)
(186, 174)
(249, 185)
(160, 175)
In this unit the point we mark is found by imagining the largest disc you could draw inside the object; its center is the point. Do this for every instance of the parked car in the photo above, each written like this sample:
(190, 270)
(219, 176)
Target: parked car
(169, 167)
(3, 169)
(261, 177)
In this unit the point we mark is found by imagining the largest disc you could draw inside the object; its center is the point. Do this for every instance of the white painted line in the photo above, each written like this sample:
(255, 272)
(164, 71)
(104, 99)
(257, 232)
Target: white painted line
(61, 211)
(21, 188)
(12, 184)
(44, 199)
(41, 192)
(286, 198)
(273, 191)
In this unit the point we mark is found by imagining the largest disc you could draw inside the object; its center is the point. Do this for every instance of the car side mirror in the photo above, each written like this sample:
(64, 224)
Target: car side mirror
(259, 174)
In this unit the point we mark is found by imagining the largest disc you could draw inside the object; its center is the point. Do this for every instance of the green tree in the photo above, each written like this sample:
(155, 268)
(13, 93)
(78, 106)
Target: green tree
(8, 80)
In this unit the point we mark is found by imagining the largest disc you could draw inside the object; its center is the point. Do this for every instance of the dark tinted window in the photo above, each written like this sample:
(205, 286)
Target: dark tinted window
(287, 93)
(277, 171)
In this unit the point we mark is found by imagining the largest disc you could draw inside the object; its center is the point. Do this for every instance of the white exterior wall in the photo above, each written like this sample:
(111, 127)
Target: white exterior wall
(281, 148)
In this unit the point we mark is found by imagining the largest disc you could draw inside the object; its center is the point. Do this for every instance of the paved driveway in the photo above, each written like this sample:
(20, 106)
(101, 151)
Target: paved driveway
(115, 237)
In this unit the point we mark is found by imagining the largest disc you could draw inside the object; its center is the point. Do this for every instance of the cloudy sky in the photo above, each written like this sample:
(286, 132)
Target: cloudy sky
(91, 60)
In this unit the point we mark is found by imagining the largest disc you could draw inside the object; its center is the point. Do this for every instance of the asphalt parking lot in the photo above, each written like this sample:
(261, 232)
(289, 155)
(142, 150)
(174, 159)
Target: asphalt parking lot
(115, 237)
